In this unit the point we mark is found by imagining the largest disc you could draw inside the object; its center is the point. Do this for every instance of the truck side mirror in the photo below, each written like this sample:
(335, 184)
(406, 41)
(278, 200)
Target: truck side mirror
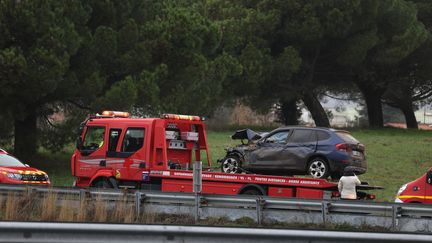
(429, 177)
(79, 143)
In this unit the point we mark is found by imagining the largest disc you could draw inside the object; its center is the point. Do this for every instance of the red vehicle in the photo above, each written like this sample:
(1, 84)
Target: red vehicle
(417, 191)
(116, 151)
(12, 171)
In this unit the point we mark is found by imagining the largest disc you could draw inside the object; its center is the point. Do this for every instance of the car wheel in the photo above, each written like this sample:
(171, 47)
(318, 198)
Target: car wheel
(231, 164)
(318, 168)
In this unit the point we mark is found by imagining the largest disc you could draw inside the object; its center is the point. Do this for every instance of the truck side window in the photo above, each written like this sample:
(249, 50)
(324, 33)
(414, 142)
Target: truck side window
(114, 136)
(94, 138)
(133, 140)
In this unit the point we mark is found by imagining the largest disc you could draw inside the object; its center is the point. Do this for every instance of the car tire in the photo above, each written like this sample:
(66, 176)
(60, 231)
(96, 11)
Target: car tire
(231, 164)
(318, 168)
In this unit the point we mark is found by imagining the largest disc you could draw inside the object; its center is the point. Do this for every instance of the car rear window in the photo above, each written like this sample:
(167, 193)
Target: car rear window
(7, 160)
(347, 137)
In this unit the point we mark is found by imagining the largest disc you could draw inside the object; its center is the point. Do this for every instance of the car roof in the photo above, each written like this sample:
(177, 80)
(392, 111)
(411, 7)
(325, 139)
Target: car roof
(311, 128)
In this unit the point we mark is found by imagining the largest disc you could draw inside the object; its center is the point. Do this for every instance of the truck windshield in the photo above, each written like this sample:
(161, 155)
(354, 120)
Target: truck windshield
(7, 160)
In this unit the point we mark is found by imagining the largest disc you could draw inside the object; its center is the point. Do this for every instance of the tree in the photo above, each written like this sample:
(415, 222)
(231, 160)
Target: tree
(411, 83)
(392, 34)
(38, 41)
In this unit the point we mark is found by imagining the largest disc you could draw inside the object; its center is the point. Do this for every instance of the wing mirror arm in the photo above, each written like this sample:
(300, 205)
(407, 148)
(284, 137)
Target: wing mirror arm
(79, 143)
(429, 177)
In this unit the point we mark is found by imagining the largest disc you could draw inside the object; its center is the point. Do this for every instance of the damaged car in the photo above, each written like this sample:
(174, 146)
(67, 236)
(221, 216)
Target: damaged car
(318, 152)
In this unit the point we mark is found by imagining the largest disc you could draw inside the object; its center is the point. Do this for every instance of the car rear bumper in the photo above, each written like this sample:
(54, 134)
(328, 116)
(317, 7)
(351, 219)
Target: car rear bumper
(358, 167)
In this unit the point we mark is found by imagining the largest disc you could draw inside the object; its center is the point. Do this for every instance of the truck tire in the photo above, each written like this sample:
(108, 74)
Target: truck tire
(252, 192)
(318, 168)
(231, 164)
(102, 183)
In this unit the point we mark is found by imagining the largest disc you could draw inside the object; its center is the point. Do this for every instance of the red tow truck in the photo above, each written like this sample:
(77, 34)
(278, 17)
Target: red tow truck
(117, 151)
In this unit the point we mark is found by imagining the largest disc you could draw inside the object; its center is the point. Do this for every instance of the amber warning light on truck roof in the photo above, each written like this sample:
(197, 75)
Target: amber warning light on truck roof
(115, 114)
(182, 117)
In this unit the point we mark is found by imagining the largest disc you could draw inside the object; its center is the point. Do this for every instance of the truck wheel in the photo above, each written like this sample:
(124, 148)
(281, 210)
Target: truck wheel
(251, 192)
(102, 183)
(318, 168)
(231, 164)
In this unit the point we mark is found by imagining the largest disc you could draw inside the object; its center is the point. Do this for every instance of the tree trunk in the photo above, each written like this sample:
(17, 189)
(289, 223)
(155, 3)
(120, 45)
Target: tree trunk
(25, 144)
(315, 108)
(374, 108)
(288, 112)
(410, 119)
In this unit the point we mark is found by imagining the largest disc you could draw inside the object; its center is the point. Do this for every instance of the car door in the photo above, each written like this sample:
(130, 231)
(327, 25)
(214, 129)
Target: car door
(270, 154)
(300, 146)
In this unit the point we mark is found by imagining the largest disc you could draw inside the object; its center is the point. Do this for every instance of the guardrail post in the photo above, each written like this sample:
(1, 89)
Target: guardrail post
(29, 190)
(396, 211)
(259, 209)
(82, 198)
(197, 186)
(325, 210)
(82, 195)
(137, 205)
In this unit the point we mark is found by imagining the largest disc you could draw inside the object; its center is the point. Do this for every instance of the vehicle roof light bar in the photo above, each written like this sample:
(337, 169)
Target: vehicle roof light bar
(182, 117)
(115, 114)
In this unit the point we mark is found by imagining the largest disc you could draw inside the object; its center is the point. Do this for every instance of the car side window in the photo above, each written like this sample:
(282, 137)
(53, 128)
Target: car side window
(303, 136)
(280, 137)
(133, 140)
(322, 135)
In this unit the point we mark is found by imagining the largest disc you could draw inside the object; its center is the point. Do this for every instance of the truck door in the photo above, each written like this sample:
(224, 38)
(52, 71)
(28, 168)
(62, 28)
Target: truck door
(91, 154)
(133, 151)
(270, 153)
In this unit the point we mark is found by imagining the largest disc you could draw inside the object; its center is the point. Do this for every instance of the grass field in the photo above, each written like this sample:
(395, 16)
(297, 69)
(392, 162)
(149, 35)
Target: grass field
(395, 157)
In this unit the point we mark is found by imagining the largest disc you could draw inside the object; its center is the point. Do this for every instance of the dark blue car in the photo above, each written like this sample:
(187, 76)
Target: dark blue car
(319, 152)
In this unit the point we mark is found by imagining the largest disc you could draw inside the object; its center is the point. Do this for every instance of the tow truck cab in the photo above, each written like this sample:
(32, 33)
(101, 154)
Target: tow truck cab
(114, 150)
(417, 191)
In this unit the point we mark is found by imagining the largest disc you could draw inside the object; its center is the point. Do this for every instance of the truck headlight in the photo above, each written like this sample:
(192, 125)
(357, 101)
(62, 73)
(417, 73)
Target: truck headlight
(14, 176)
(401, 189)
(397, 199)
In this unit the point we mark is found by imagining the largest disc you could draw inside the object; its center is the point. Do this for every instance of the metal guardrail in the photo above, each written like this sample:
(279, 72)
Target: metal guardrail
(393, 216)
(84, 232)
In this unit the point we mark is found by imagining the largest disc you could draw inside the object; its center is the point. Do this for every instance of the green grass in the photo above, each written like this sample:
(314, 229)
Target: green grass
(395, 157)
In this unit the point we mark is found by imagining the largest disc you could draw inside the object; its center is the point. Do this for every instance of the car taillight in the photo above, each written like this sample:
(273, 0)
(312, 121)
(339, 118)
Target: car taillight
(343, 147)
(371, 196)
